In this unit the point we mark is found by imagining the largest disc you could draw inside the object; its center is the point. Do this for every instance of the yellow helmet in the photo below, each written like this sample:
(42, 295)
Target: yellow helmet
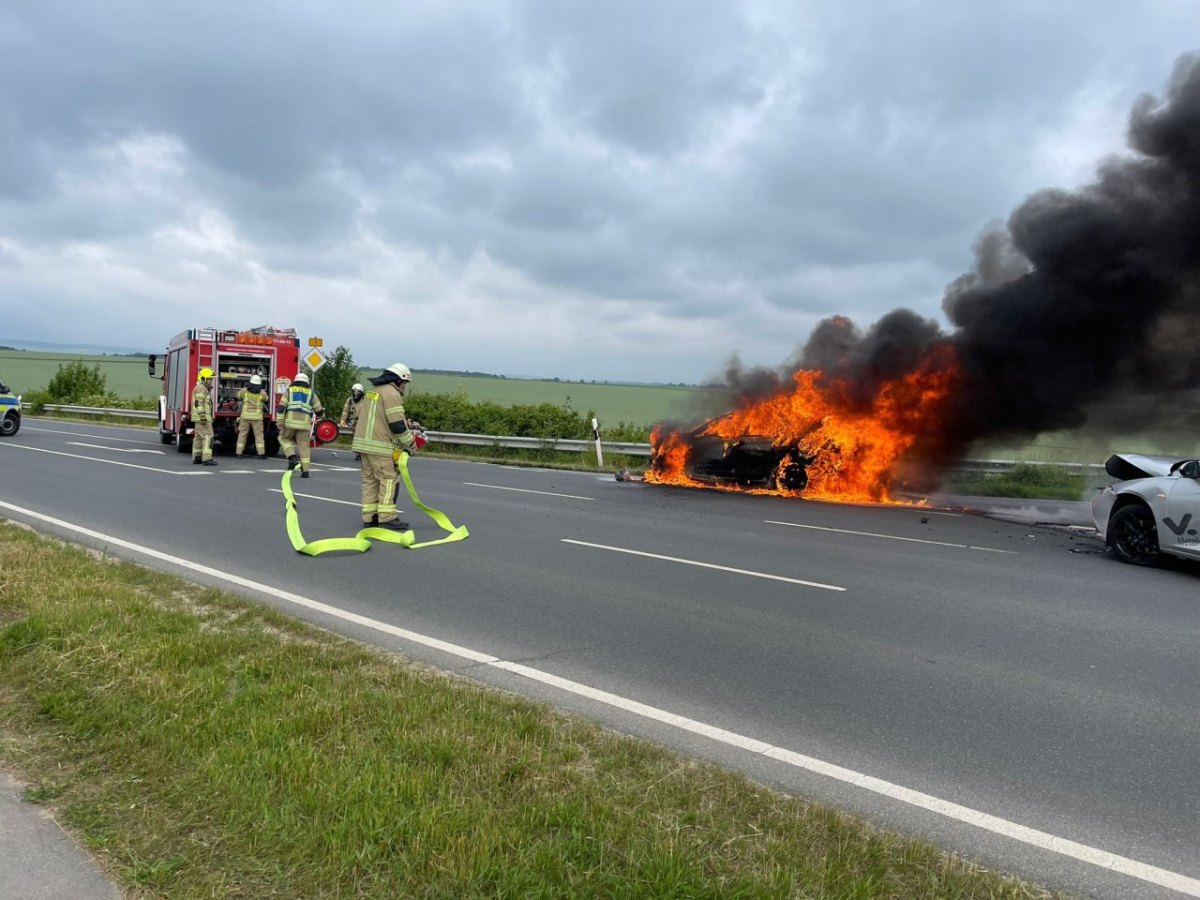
(206, 374)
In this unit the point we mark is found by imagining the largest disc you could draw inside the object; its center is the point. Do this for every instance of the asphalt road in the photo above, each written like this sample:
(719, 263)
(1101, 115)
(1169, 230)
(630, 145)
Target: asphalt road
(1004, 688)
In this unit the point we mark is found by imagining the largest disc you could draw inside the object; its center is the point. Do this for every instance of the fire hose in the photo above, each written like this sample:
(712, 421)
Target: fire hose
(361, 542)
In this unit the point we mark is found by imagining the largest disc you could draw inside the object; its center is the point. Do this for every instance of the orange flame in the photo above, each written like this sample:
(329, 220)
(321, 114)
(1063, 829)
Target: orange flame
(852, 449)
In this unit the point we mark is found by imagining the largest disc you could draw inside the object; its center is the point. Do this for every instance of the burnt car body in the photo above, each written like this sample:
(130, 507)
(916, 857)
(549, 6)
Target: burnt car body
(750, 461)
(1152, 510)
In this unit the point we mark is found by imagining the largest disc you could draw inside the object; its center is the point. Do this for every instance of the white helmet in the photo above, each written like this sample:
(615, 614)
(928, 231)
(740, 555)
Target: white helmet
(400, 370)
(256, 380)
(301, 379)
(357, 387)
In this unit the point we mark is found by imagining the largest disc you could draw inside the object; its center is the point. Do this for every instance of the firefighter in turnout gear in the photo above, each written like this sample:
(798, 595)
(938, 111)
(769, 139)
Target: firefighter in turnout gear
(350, 411)
(202, 419)
(299, 406)
(381, 430)
(251, 418)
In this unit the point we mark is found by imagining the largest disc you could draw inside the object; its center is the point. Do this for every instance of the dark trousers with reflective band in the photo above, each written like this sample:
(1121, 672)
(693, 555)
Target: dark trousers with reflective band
(202, 441)
(378, 487)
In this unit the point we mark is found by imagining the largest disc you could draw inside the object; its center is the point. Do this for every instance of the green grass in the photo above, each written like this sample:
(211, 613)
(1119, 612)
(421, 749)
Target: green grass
(204, 746)
(127, 377)
(1025, 480)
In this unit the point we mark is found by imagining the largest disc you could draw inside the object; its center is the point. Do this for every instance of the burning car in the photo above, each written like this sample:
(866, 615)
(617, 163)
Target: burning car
(749, 461)
(1153, 509)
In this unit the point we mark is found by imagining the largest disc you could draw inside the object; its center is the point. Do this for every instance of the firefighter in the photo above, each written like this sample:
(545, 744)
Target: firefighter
(251, 419)
(350, 411)
(299, 405)
(381, 430)
(202, 419)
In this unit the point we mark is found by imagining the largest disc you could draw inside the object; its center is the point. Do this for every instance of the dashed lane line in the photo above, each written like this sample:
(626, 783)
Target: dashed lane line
(315, 497)
(497, 487)
(890, 537)
(705, 565)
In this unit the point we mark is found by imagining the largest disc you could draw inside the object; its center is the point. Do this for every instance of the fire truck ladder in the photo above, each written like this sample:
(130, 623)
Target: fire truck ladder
(206, 349)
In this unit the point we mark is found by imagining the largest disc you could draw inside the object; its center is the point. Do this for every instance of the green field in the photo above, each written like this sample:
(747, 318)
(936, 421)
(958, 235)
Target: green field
(127, 377)
(31, 370)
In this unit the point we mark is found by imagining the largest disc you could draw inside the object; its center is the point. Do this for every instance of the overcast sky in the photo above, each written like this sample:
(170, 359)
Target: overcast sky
(603, 190)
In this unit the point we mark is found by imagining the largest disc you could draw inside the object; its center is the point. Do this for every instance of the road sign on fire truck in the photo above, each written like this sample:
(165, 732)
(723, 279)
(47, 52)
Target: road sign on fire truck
(314, 359)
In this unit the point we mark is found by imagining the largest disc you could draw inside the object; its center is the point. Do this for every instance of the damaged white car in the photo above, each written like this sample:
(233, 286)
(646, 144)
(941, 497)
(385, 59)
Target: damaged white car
(1152, 510)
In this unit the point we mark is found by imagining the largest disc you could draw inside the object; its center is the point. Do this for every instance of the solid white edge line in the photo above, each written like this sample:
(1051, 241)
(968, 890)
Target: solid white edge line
(117, 449)
(704, 565)
(110, 462)
(497, 487)
(889, 537)
(1081, 852)
(84, 434)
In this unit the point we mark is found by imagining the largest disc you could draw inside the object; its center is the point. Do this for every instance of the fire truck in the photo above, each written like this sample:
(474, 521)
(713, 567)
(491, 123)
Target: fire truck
(234, 356)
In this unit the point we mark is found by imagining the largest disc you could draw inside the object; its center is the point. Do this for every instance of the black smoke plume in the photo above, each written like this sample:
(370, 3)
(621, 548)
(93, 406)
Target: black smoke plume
(1081, 300)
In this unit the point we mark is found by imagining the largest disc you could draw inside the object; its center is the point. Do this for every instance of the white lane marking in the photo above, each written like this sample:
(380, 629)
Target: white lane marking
(110, 462)
(315, 497)
(704, 565)
(496, 487)
(118, 449)
(1040, 839)
(890, 537)
(83, 434)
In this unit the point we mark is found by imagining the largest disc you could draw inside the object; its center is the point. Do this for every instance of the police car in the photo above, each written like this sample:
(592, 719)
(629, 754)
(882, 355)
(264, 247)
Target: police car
(1153, 510)
(10, 412)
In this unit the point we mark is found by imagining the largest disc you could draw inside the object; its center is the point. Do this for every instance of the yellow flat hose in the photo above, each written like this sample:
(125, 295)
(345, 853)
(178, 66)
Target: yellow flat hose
(361, 542)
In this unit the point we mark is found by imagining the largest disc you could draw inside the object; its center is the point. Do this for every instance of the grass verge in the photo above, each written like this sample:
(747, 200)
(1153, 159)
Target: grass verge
(205, 746)
(1025, 480)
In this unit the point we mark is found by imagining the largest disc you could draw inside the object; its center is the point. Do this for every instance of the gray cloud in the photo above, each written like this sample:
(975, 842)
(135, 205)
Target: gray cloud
(701, 178)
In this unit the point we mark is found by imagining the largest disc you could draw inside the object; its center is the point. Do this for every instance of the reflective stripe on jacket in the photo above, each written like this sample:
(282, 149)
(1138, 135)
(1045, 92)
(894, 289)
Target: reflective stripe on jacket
(252, 404)
(302, 403)
(202, 410)
(382, 426)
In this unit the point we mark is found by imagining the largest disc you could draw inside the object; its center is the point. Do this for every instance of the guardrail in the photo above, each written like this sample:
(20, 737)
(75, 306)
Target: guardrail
(440, 437)
(564, 444)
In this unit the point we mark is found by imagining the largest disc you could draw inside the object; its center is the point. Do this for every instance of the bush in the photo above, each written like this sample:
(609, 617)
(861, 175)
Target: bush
(74, 384)
(455, 412)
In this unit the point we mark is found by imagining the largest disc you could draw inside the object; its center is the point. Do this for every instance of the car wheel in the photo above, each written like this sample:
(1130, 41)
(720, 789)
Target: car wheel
(10, 425)
(1133, 535)
(791, 478)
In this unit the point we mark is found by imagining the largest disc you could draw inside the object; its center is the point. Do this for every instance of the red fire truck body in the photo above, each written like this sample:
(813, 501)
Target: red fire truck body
(234, 356)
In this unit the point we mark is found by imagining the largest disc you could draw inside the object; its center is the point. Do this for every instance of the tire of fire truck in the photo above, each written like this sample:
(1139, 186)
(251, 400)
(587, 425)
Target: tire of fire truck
(271, 438)
(183, 443)
(166, 437)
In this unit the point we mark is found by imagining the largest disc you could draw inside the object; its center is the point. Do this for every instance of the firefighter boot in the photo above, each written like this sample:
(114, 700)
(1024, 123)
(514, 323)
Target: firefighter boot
(196, 460)
(303, 474)
(209, 462)
(293, 461)
(394, 525)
